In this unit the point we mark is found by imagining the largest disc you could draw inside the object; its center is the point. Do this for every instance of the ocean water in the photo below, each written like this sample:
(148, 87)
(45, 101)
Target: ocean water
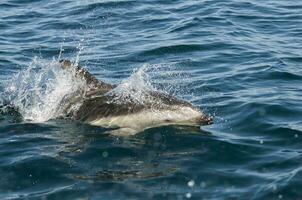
(239, 61)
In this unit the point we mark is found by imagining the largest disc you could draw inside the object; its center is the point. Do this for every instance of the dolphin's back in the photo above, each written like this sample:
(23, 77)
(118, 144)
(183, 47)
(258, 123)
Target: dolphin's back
(96, 103)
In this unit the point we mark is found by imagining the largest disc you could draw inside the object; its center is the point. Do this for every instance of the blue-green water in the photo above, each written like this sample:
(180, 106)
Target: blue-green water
(239, 61)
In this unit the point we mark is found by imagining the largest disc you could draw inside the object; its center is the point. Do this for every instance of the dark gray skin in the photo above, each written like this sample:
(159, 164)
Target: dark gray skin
(97, 104)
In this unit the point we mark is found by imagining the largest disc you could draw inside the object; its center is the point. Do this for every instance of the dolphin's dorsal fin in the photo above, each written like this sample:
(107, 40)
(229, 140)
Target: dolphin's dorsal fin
(93, 83)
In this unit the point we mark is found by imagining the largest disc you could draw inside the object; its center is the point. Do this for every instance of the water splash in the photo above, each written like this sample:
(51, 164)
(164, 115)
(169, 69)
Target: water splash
(38, 90)
(134, 89)
(145, 80)
(43, 90)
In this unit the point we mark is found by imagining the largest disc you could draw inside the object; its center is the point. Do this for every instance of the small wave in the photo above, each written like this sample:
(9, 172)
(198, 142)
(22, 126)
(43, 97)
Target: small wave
(186, 48)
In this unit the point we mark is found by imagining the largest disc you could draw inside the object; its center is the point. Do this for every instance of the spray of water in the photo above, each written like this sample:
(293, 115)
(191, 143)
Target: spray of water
(38, 90)
(134, 89)
(145, 80)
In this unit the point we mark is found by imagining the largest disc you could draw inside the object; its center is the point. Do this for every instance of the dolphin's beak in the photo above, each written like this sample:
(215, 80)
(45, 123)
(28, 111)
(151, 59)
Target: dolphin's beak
(205, 120)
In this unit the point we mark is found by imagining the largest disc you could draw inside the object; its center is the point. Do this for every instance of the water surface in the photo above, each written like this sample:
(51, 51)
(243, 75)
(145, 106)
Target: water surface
(239, 61)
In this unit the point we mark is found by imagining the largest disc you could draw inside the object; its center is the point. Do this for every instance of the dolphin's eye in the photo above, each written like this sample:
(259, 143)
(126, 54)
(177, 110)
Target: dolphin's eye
(167, 120)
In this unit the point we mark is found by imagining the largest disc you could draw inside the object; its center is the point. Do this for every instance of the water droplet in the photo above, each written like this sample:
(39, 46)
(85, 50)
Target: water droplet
(261, 141)
(296, 135)
(280, 196)
(105, 154)
(188, 195)
(191, 183)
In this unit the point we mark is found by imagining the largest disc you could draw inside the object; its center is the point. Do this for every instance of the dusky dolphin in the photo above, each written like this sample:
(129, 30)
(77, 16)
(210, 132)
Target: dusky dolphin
(96, 106)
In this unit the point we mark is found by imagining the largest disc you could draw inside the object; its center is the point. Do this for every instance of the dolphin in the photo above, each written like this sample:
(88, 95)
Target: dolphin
(96, 106)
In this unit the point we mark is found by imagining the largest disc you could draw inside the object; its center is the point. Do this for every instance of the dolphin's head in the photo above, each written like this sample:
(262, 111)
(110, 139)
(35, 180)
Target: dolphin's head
(184, 115)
